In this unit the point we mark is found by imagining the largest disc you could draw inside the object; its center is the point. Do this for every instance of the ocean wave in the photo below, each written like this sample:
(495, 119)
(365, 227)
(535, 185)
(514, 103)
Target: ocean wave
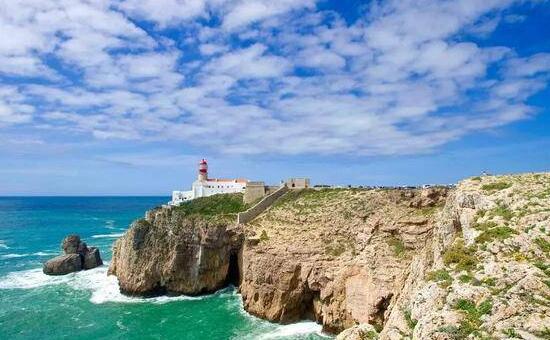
(104, 288)
(113, 235)
(3, 245)
(14, 256)
(43, 253)
(291, 330)
(110, 224)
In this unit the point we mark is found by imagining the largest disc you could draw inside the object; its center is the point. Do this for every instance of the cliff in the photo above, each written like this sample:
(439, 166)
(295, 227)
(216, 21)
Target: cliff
(184, 250)
(422, 264)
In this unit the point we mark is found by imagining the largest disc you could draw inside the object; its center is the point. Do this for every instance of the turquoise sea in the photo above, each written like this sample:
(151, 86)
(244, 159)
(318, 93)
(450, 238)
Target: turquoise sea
(88, 305)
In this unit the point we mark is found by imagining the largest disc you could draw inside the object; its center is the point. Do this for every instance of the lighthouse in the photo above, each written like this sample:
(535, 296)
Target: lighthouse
(205, 186)
(203, 171)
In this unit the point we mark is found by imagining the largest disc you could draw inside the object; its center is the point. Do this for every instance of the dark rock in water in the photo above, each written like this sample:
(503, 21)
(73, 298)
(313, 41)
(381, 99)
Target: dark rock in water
(71, 244)
(63, 264)
(92, 258)
(77, 257)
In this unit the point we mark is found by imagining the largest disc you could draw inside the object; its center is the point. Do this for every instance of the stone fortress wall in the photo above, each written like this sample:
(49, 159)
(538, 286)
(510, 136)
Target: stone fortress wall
(266, 202)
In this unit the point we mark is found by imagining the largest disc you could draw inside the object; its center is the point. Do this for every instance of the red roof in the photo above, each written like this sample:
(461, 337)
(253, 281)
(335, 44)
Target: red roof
(236, 180)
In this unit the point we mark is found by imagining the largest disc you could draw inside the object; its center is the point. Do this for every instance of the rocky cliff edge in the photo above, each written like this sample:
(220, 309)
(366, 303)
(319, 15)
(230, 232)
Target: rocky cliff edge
(423, 264)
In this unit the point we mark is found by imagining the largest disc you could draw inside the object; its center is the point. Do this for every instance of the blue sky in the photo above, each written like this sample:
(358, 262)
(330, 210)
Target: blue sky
(124, 97)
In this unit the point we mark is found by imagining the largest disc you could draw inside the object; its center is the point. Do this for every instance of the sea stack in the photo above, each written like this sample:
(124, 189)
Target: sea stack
(76, 256)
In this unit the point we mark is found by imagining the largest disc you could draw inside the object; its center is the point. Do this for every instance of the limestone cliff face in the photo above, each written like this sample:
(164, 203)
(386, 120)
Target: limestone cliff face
(335, 256)
(489, 277)
(171, 253)
(471, 262)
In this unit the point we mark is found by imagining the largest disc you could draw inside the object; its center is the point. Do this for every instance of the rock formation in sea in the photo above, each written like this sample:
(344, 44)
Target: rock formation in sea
(433, 263)
(76, 256)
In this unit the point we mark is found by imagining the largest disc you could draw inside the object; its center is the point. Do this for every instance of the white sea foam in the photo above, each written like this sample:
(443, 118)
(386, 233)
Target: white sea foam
(3, 245)
(43, 253)
(110, 224)
(14, 256)
(104, 288)
(28, 279)
(113, 235)
(300, 328)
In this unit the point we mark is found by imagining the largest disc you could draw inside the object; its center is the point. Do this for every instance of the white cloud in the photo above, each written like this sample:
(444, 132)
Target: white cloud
(164, 12)
(244, 12)
(262, 76)
(251, 62)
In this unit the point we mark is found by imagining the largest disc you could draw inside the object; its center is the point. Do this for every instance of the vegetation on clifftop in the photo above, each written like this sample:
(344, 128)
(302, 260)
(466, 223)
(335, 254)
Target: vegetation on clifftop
(215, 205)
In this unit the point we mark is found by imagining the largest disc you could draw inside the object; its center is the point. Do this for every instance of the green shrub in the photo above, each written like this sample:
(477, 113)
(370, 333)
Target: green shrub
(489, 281)
(465, 278)
(503, 212)
(500, 233)
(472, 321)
(397, 245)
(484, 225)
(496, 186)
(543, 244)
(545, 333)
(510, 332)
(221, 204)
(441, 276)
(544, 266)
(369, 335)
(460, 255)
(264, 236)
(477, 178)
(410, 321)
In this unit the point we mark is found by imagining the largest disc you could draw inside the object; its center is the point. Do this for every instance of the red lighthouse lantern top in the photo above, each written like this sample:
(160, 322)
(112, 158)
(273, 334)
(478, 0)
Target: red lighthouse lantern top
(203, 170)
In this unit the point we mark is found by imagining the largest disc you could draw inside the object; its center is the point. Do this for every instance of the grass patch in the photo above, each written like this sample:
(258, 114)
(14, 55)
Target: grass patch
(221, 204)
(545, 333)
(369, 335)
(477, 178)
(441, 276)
(503, 212)
(467, 278)
(264, 236)
(489, 281)
(427, 211)
(410, 321)
(510, 332)
(544, 266)
(485, 225)
(496, 186)
(473, 314)
(397, 245)
(335, 249)
(460, 255)
(499, 233)
(543, 244)
(309, 196)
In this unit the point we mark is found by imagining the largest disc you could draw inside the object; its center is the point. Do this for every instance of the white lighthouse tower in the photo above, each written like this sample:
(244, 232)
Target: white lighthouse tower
(203, 171)
(205, 186)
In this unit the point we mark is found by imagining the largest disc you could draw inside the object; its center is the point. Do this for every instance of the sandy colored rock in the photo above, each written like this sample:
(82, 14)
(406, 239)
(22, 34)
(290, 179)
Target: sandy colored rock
(171, 253)
(433, 263)
(362, 331)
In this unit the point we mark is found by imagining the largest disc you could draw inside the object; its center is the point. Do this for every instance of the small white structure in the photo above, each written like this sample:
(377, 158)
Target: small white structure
(205, 186)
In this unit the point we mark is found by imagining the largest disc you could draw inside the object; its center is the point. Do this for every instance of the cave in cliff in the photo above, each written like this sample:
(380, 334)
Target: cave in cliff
(381, 308)
(233, 272)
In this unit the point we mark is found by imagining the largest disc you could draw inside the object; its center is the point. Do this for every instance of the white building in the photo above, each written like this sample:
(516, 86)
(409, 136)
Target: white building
(205, 186)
